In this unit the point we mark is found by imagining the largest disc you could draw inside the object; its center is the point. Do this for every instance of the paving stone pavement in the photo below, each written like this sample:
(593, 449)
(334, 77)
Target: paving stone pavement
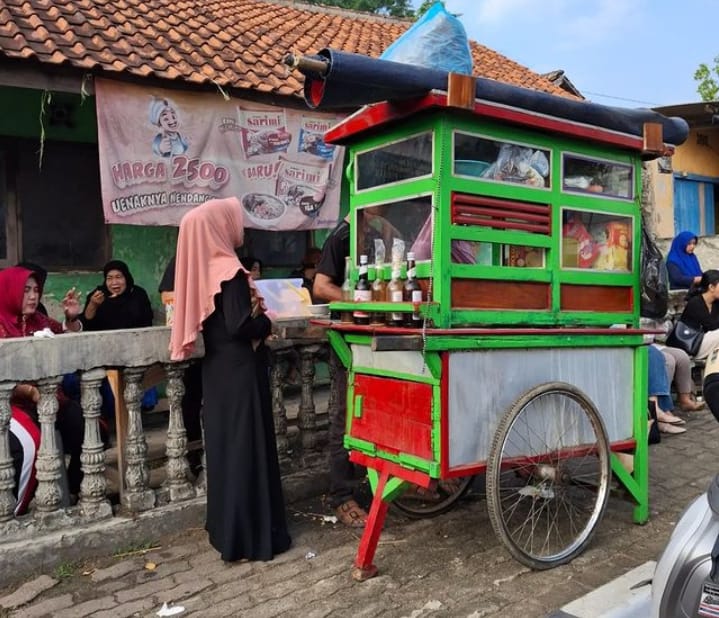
(451, 565)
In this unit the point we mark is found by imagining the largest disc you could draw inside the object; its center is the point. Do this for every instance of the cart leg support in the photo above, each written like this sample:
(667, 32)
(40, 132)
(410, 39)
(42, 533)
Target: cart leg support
(363, 567)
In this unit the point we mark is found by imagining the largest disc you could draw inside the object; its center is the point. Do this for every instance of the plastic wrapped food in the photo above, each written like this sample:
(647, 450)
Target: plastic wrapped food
(519, 165)
(437, 40)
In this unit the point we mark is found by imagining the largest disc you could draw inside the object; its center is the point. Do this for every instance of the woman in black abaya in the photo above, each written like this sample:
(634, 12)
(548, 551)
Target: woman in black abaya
(214, 294)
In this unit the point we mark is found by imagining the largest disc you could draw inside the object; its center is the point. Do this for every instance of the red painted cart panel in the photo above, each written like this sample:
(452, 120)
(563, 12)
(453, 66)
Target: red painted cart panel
(395, 415)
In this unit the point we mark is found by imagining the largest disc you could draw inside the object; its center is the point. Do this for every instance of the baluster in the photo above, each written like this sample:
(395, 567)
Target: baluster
(93, 501)
(7, 472)
(50, 462)
(333, 366)
(137, 495)
(278, 372)
(307, 418)
(177, 469)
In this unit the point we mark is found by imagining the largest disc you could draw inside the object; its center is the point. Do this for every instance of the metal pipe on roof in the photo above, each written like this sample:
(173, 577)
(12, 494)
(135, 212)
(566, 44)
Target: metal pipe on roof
(335, 79)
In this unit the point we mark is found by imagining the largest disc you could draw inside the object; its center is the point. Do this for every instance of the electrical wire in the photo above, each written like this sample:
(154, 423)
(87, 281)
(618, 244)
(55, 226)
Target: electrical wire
(609, 96)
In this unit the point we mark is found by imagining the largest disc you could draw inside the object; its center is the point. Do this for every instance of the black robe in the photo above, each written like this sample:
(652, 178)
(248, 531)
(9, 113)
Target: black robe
(131, 309)
(245, 504)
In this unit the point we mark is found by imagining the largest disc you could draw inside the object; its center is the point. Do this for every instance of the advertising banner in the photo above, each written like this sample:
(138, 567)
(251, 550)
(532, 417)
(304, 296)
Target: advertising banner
(162, 152)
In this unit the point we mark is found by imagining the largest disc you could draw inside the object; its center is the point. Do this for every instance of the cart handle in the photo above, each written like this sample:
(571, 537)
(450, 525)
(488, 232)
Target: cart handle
(307, 64)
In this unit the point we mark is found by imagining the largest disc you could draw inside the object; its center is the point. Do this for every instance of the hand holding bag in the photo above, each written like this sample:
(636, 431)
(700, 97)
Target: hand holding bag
(686, 337)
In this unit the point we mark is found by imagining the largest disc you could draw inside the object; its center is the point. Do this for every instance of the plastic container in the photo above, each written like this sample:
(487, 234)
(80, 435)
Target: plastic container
(468, 167)
(285, 298)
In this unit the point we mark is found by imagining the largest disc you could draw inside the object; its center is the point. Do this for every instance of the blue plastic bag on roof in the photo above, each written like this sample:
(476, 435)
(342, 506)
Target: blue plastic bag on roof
(437, 40)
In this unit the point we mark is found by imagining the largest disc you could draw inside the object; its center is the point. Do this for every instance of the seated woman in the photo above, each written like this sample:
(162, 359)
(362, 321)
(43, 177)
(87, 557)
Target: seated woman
(117, 303)
(682, 265)
(660, 396)
(19, 317)
(702, 311)
(679, 372)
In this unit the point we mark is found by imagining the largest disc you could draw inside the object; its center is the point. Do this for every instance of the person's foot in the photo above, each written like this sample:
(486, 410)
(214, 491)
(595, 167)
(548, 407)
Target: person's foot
(689, 405)
(351, 514)
(669, 419)
(415, 492)
(670, 429)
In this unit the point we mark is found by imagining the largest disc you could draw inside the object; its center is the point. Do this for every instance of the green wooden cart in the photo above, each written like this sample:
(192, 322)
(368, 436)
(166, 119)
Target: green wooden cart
(529, 366)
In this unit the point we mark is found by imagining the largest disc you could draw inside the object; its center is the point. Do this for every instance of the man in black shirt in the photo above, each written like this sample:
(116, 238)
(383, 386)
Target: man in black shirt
(328, 287)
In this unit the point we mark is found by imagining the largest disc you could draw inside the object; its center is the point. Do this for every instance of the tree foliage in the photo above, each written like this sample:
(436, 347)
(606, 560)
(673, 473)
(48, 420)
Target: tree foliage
(393, 8)
(708, 78)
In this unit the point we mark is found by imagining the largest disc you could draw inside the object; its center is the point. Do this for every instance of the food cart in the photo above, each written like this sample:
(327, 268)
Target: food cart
(523, 212)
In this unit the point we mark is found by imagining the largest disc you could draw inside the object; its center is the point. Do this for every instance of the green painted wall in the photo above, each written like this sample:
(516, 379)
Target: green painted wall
(68, 117)
(146, 251)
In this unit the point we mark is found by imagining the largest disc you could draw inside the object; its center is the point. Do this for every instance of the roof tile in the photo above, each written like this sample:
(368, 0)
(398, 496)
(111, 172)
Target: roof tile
(236, 43)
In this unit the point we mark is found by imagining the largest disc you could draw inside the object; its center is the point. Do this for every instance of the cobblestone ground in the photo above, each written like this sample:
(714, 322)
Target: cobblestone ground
(452, 565)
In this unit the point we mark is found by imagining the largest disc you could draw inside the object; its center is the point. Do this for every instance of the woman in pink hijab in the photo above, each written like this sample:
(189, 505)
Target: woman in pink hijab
(215, 294)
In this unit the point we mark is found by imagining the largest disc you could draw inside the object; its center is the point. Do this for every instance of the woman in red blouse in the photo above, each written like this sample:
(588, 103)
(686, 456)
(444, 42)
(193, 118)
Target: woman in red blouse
(20, 293)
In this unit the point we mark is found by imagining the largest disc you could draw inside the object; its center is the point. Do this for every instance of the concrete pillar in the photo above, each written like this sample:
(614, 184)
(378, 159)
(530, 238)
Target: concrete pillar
(177, 486)
(7, 472)
(50, 462)
(93, 501)
(137, 495)
(307, 418)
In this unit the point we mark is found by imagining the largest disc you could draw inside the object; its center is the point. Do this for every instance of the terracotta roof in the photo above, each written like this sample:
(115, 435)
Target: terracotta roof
(231, 43)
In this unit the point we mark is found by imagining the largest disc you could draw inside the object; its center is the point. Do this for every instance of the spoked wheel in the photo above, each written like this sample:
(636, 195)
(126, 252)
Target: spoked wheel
(418, 502)
(548, 475)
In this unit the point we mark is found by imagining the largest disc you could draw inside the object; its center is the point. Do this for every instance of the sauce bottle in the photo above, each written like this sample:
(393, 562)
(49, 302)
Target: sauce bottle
(347, 292)
(413, 293)
(363, 292)
(379, 293)
(395, 295)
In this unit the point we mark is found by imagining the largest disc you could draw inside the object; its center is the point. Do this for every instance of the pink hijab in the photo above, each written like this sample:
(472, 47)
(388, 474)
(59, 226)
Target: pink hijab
(206, 257)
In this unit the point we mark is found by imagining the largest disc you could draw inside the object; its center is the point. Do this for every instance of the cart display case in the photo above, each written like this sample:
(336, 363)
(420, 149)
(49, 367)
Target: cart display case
(529, 366)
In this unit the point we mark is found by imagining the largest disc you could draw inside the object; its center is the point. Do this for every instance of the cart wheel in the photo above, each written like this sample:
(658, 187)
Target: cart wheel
(548, 475)
(438, 499)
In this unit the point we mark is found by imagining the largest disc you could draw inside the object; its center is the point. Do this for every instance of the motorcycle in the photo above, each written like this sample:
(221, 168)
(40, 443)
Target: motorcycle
(686, 578)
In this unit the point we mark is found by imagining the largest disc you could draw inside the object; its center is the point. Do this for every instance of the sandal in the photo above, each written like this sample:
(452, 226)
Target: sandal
(694, 406)
(351, 514)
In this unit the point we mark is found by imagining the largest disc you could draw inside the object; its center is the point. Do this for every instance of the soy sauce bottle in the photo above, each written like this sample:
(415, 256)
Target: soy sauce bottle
(395, 295)
(412, 293)
(363, 293)
(347, 292)
(379, 293)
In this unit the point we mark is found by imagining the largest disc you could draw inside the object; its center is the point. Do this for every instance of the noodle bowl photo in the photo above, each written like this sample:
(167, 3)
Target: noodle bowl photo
(263, 207)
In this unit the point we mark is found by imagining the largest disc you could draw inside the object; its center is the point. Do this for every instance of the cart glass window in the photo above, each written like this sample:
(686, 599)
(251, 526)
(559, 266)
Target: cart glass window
(497, 254)
(401, 160)
(596, 241)
(408, 220)
(485, 158)
(583, 175)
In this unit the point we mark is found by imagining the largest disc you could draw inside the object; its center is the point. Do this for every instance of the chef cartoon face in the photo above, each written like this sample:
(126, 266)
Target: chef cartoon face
(168, 119)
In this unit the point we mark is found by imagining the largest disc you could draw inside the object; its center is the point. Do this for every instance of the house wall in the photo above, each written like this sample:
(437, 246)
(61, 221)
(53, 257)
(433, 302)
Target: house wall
(663, 214)
(691, 158)
(694, 158)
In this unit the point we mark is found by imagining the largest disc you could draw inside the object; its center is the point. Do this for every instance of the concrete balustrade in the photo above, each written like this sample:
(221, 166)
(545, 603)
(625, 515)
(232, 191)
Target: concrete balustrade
(127, 355)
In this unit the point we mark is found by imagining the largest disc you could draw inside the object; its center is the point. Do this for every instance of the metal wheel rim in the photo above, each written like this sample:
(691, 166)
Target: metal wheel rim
(540, 489)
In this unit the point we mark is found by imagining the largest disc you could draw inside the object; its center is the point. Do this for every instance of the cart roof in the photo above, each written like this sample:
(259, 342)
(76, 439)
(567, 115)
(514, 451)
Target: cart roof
(377, 117)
